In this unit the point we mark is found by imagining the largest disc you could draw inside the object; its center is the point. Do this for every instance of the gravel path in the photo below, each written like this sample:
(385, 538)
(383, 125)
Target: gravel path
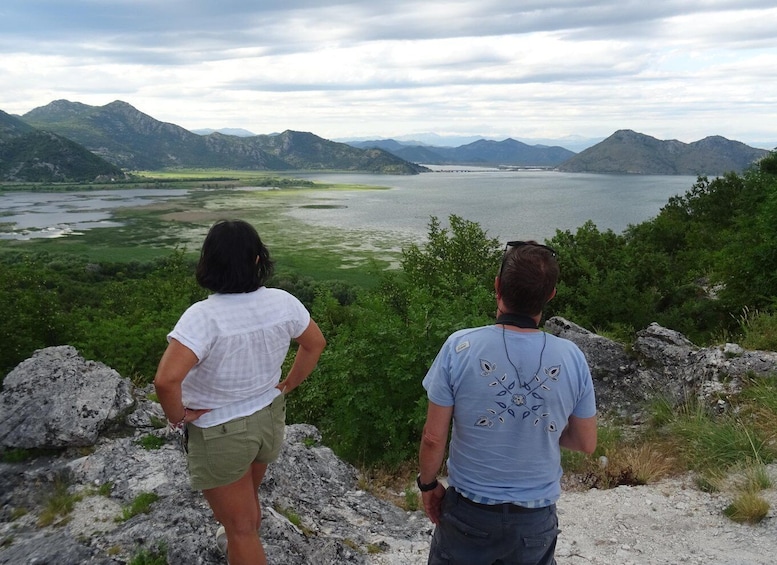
(667, 523)
(670, 522)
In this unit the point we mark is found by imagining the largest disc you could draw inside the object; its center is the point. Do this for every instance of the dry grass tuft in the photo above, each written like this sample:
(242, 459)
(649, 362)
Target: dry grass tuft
(747, 507)
(396, 486)
(630, 465)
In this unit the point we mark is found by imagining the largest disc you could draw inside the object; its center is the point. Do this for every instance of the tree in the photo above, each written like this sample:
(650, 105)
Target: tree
(747, 268)
(366, 396)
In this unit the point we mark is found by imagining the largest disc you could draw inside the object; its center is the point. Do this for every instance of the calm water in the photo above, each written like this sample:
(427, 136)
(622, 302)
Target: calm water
(507, 204)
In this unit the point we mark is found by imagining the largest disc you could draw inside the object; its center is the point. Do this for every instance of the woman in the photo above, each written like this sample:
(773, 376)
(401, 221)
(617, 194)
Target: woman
(220, 379)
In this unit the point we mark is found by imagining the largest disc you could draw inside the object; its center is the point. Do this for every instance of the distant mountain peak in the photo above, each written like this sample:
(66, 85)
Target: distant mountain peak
(237, 132)
(481, 152)
(630, 152)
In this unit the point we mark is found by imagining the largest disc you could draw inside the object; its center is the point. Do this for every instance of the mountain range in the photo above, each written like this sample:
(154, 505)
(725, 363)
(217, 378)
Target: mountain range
(76, 142)
(574, 143)
(624, 152)
(133, 140)
(482, 152)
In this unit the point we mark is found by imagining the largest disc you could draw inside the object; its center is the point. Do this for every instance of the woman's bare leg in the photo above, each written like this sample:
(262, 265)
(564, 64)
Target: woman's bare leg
(257, 473)
(235, 506)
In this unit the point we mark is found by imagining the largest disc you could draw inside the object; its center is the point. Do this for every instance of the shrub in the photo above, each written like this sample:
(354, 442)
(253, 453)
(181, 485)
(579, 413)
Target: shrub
(366, 397)
(708, 442)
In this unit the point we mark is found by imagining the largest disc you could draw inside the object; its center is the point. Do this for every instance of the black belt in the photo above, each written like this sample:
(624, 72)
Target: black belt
(502, 508)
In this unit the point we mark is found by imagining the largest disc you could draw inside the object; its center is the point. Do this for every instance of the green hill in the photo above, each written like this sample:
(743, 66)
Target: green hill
(630, 152)
(31, 155)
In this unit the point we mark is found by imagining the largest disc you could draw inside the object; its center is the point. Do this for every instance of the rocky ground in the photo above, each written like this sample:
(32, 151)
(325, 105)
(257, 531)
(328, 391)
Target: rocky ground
(667, 523)
(318, 510)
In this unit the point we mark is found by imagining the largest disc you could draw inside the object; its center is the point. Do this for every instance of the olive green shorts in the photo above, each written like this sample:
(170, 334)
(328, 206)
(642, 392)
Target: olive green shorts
(222, 454)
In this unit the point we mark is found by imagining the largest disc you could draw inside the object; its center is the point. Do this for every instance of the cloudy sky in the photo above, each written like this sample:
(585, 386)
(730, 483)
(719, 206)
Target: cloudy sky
(527, 69)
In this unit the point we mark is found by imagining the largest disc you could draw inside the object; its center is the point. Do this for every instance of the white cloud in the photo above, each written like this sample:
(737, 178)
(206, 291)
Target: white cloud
(667, 68)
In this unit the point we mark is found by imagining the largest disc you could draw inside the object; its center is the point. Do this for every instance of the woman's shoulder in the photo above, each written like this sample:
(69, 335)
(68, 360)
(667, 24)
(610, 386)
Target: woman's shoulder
(277, 293)
(267, 292)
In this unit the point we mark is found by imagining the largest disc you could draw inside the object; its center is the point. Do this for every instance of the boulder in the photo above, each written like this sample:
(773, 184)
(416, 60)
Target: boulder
(661, 363)
(57, 399)
(619, 386)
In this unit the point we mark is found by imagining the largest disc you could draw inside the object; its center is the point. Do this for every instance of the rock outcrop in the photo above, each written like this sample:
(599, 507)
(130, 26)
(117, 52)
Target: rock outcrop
(314, 510)
(662, 363)
(57, 399)
(108, 484)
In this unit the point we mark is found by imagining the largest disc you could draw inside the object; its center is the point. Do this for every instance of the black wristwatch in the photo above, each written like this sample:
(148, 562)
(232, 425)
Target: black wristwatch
(425, 488)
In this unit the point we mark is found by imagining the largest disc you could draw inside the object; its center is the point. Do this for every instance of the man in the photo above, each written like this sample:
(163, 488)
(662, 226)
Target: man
(515, 395)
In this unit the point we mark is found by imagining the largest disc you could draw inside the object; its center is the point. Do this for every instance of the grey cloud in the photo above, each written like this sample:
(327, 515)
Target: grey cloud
(49, 20)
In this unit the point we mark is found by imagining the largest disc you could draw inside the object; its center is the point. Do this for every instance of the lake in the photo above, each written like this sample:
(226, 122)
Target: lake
(525, 204)
(507, 204)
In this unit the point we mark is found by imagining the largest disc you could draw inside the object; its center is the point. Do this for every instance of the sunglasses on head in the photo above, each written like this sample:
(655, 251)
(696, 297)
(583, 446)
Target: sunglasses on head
(521, 244)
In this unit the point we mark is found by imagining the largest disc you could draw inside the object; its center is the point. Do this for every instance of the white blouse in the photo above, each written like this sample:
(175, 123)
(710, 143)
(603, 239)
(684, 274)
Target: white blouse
(240, 341)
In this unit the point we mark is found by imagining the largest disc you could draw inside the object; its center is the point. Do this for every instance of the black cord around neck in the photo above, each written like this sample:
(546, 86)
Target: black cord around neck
(517, 320)
(526, 384)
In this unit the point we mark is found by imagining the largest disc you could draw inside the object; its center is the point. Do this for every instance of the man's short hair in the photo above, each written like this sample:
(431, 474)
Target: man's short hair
(528, 277)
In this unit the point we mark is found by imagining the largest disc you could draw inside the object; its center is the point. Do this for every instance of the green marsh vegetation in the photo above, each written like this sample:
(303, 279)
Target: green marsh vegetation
(706, 266)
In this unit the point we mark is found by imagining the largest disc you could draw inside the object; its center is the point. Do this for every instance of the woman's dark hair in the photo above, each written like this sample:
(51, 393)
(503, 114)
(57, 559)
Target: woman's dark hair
(528, 277)
(228, 260)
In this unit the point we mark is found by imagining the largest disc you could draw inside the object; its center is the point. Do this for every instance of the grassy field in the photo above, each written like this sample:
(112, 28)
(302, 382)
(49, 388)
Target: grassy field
(154, 230)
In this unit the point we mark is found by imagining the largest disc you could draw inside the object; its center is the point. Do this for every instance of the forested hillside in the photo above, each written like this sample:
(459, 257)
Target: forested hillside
(705, 266)
(32, 155)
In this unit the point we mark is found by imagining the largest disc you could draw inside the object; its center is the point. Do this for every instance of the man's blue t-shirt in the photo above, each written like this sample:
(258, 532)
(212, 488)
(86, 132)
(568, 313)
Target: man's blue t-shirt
(512, 394)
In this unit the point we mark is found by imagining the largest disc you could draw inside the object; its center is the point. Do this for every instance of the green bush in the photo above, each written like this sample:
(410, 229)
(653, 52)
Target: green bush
(709, 443)
(366, 396)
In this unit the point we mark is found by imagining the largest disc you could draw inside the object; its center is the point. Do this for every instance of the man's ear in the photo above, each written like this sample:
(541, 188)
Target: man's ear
(496, 287)
(552, 294)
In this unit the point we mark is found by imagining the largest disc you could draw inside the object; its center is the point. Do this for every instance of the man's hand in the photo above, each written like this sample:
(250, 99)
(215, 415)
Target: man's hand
(433, 503)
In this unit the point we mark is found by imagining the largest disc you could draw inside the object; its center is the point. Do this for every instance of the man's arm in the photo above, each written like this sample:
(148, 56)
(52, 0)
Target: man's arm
(431, 454)
(579, 435)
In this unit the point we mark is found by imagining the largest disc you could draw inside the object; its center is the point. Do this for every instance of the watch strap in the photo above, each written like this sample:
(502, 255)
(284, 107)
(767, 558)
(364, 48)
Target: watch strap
(425, 487)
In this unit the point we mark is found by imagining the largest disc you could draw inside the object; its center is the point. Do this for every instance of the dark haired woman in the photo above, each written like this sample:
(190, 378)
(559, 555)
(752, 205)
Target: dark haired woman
(220, 378)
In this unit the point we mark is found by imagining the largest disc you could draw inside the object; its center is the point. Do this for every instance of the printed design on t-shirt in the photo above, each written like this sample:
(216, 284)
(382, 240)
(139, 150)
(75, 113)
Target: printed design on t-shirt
(514, 399)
